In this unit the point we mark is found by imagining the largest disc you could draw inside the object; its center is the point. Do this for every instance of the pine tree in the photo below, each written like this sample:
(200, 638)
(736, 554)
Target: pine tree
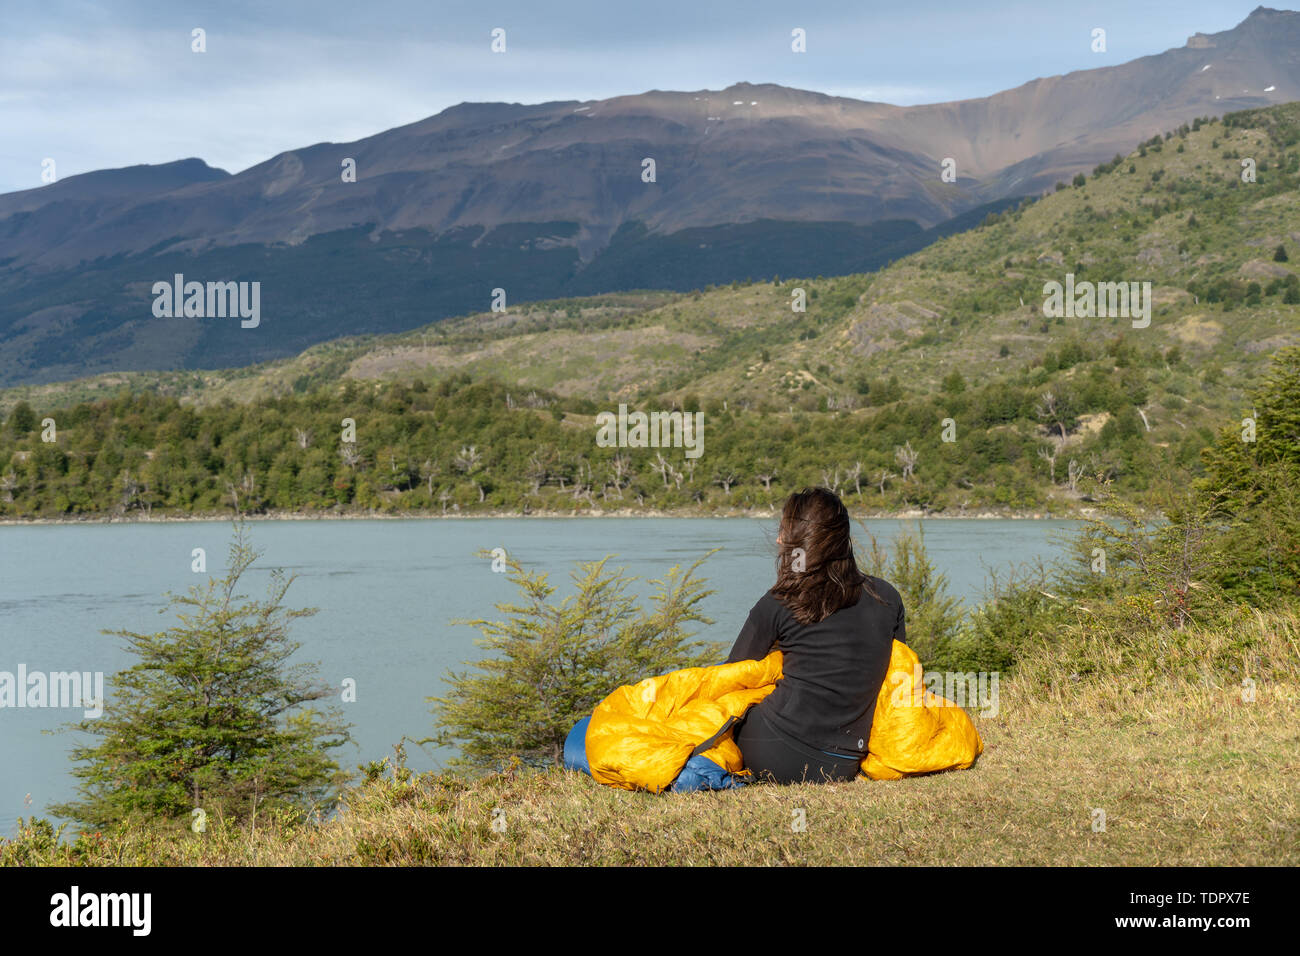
(1250, 483)
(933, 615)
(557, 661)
(22, 419)
(212, 716)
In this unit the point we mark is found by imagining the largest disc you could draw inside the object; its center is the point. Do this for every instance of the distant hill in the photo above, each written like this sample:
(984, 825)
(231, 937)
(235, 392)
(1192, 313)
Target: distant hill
(548, 200)
(955, 331)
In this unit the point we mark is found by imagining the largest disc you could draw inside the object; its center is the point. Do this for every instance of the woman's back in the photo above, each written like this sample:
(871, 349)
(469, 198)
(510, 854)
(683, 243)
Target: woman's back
(833, 669)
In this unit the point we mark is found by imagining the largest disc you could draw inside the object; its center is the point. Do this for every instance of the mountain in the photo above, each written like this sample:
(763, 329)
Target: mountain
(548, 200)
(954, 334)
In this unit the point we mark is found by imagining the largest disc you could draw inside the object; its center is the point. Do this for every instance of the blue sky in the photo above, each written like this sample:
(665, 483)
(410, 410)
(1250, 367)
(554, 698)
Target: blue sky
(97, 85)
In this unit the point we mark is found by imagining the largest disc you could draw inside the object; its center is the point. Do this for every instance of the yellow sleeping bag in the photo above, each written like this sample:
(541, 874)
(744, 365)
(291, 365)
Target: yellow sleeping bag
(641, 735)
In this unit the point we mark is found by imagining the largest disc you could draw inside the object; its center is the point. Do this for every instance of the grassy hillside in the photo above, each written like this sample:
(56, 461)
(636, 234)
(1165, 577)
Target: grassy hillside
(877, 362)
(1186, 772)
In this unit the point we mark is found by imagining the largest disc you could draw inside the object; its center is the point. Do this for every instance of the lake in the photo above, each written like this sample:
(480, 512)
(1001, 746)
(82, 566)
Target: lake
(387, 591)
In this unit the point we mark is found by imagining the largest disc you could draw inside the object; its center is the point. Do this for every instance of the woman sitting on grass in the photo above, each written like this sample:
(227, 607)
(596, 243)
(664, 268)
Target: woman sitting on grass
(835, 627)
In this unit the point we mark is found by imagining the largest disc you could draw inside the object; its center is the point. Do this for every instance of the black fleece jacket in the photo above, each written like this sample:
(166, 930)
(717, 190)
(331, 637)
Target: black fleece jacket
(832, 670)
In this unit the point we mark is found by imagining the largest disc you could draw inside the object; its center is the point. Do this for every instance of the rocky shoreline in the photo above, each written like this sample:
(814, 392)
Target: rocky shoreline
(914, 514)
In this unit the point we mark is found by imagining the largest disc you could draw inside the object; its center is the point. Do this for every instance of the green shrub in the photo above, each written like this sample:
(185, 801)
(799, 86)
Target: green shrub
(211, 718)
(933, 616)
(552, 663)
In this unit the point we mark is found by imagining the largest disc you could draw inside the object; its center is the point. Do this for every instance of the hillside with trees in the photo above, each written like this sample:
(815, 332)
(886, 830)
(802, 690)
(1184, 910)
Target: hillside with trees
(936, 385)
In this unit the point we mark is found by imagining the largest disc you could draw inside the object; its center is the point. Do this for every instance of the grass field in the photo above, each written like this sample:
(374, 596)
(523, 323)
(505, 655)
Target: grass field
(1186, 771)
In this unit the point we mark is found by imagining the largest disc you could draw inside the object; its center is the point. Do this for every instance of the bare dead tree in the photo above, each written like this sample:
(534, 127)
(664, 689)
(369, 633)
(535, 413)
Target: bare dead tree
(906, 457)
(1048, 453)
(1048, 409)
(620, 473)
(726, 479)
(1074, 471)
(303, 437)
(662, 468)
(538, 469)
(428, 470)
(589, 482)
(622, 465)
(832, 483)
(247, 486)
(348, 452)
(767, 476)
(467, 459)
(883, 477)
(855, 476)
(7, 485)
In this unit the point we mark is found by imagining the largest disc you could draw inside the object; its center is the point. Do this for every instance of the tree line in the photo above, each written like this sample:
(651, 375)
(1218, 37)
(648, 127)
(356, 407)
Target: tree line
(461, 445)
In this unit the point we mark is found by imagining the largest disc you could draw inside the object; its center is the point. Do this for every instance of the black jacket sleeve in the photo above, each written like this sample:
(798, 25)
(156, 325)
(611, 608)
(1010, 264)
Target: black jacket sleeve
(758, 635)
(900, 625)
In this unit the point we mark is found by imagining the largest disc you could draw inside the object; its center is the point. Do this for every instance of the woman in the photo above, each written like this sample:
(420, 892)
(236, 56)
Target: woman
(835, 627)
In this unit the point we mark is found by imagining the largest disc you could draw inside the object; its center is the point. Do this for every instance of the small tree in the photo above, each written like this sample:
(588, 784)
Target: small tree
(555, 662)
(933, 616)
(1279, 254)
(906, 456)
(1048, 453)
(211, 716)
(1250, 486)
(1154, 573)
(21, 420)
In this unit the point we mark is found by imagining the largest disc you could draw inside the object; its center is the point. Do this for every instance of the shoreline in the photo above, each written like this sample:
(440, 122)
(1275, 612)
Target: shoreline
(765, 513)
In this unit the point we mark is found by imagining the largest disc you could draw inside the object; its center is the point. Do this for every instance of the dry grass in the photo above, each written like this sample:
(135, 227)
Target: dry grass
(1186, 771)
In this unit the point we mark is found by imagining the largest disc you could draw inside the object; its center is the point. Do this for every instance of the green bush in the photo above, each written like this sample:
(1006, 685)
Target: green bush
(933, 617)
(553, 662)
(211, 718)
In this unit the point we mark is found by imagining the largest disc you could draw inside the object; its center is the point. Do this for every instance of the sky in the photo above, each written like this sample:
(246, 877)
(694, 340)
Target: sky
(95, 85)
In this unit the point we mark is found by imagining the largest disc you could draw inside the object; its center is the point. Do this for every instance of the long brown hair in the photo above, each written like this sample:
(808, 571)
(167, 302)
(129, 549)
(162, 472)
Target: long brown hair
(816, 572)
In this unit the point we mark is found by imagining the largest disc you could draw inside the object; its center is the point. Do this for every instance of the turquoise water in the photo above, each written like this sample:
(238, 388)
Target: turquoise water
(387, 591)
